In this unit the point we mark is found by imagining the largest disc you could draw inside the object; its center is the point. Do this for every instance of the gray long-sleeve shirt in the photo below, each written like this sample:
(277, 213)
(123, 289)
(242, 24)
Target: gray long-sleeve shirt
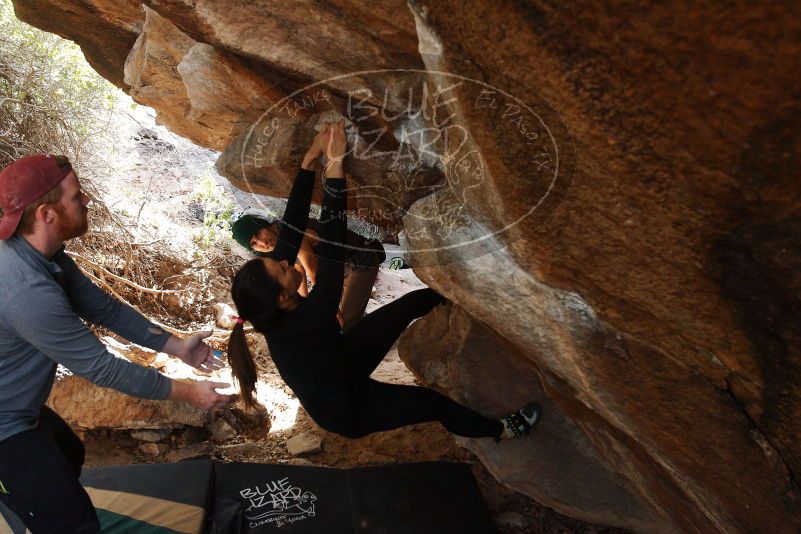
(41, 301)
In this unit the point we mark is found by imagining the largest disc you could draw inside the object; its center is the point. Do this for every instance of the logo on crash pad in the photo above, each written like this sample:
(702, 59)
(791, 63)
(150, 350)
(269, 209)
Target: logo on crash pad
(278, 502)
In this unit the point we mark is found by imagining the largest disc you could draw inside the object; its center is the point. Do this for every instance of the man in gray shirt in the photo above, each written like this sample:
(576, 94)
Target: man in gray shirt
(43, 297)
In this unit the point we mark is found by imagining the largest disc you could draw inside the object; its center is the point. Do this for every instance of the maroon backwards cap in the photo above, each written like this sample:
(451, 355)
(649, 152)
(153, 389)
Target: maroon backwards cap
(22, 183)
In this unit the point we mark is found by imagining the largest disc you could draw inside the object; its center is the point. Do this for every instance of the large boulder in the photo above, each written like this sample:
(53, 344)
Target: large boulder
(199, 91)
(557, 465)
(660, 301)
(613, 192)
(86, 406)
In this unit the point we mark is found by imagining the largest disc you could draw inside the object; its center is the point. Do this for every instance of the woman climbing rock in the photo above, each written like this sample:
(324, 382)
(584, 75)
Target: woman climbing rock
(363, 256)
(329, 371)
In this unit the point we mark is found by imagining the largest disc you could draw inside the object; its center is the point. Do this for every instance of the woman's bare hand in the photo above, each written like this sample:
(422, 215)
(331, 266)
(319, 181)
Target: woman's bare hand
(319, 142)
(317, 148)
(337, 142)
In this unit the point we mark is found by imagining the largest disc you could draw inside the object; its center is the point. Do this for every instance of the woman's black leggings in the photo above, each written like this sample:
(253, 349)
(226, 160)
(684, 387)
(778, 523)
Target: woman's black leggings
(377, 406)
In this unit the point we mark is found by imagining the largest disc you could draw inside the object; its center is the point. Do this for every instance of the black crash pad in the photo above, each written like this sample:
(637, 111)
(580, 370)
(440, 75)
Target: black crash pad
(143, 499)
(432, 497)
(239, 498)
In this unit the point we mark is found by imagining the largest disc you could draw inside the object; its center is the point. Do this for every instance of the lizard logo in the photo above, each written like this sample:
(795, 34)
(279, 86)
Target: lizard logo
(278, 502)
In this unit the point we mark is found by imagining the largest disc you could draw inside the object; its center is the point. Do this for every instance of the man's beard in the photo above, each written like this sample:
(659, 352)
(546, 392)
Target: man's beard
(70, 228)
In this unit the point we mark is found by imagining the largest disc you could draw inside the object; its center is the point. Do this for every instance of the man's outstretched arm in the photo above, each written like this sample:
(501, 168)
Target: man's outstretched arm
(48, 323)
(98, 307)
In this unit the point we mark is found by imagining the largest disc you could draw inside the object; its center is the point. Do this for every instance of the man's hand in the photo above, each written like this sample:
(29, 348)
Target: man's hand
(202, 394)
(194, 352)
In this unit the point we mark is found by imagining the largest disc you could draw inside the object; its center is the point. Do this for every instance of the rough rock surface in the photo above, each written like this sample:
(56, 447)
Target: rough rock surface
(190, 452)
(460, 357)
(616, 204)
(304, 443)
(221, 430)
(149, 436)
(84, 405)
(149, 449)
(242, 449)
(201, 92)
(511, 519)
(660, 302)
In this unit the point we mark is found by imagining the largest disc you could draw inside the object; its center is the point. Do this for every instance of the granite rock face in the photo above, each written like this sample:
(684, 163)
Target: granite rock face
(660, 302)
(557, 464)
(85, 406)
(201, 92)
(609, 195)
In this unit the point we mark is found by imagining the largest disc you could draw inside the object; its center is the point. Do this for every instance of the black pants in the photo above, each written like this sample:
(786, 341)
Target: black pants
(39, 471)
(373, 406)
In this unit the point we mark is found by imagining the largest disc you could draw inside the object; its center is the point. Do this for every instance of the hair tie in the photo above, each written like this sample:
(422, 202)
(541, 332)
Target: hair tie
(239, 320)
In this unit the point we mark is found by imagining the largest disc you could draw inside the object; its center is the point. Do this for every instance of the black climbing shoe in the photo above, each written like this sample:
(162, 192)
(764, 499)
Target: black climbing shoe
(519, 423)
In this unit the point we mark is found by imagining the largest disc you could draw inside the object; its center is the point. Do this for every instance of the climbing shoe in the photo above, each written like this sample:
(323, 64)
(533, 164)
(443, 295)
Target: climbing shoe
(397, 264)
(519, 423)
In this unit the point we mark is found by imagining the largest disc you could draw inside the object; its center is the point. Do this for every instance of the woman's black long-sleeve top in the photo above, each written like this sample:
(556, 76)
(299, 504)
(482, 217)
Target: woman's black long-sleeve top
(306, 343)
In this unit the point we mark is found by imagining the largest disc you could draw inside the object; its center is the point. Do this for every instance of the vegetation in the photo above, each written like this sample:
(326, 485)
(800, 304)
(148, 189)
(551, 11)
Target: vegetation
(217, 213)
(51, 101)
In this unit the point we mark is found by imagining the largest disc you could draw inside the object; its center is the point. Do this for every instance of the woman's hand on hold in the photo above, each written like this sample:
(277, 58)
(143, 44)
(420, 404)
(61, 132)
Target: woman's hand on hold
(335, 151)
(337, 142)
(316, 149)
(319, 142)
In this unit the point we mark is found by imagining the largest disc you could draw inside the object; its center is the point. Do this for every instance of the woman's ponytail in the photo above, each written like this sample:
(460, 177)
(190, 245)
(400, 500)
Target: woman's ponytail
(255, 295)
(242, 365)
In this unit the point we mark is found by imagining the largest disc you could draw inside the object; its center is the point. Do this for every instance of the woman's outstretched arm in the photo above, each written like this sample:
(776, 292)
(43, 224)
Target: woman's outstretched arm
(296, 215)
(323, 302)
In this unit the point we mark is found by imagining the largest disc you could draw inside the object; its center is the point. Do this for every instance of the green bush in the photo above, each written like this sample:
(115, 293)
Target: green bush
(217, 213)
(51, 101)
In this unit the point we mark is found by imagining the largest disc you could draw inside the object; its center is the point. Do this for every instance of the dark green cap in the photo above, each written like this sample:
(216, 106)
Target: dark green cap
(245, 227)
